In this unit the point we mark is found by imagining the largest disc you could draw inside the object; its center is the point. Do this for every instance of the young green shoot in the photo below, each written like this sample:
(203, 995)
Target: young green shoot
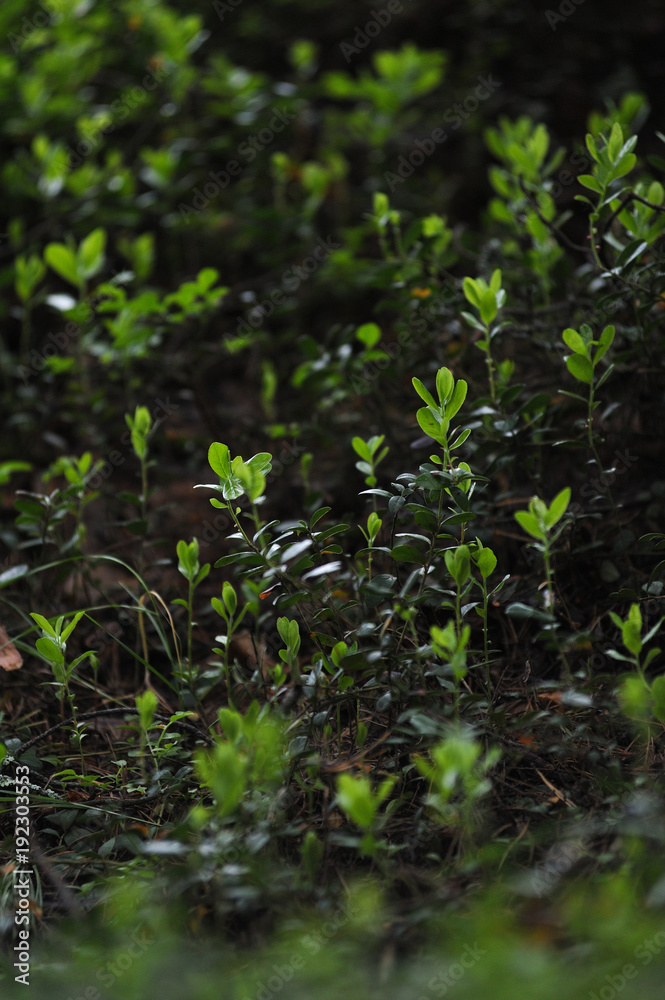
(290, 635)
(488, 300)
(139, 426)
(582, 364)
(539, 522)
(450, 645)
(52, 647)
(486, 561)
(226, 608)
(357, 799)
(371, 453)
(641, 700)
(188, 566)
(374, 525)
(612, 161)
(434, 418)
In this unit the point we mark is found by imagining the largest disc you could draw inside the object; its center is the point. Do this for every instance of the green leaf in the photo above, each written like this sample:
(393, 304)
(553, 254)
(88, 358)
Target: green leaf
(219, 608)
(604, 377)
(591, 146)
(428, 423)
(90, 256)
(580, 368)
(460, 439)
(573, 340)
(445, 383)
(458, 564)
(29, 272)
(248, 476)
(369, 334)
(587, 181)
(557, 508)
(604, 343)
(486, 561)
(473, 321)
(488, 307)
(354, 797)
(67, 631)
(615, 143)
(471, 291)
(219, 459)
(360, 447)
(634, 697)
(624, 166)
(631, 630)
(63, 261)
(43, 623)
(139, 426)
(530, 524)
(424, 393)
(289, 633)
(457, 399)
(50, 650)
(225, 773)
(146, 705)
(658, 695)
(229, 597)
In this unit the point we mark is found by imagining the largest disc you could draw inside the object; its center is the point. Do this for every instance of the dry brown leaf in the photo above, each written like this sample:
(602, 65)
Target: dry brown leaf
(10, 658)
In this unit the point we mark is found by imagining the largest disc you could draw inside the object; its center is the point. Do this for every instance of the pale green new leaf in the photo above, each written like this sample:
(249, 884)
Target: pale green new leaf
(457, 399)
(428, 422)
(557, 508)
(581, 368)
(424, 393)
(90, 256)
(488, 307)
(67, 631)
(530, 524)
(573, 340)
(486, 561)
(471, 291)
(50, 650)
(444, 384)
(588, 181)
(495, 280)
(63, 261)
(615, 143)
(219, 460)
(604, 343)
(43, 623)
